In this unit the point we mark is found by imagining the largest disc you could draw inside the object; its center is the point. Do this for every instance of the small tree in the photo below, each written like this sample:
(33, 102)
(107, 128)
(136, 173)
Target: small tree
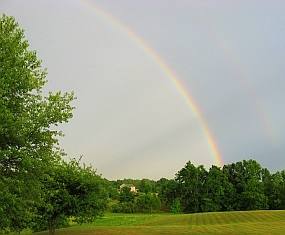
(70, 191)
(176, 206)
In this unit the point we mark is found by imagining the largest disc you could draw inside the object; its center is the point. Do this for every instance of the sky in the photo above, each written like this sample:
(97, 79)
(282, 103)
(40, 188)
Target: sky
(131, 121)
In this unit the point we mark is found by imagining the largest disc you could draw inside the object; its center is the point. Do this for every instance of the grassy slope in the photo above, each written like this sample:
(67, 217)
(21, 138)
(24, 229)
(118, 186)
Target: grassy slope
(255, 222)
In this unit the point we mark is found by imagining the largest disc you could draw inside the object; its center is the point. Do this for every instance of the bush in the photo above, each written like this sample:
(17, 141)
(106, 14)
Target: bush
(124, 207)
(147, 202)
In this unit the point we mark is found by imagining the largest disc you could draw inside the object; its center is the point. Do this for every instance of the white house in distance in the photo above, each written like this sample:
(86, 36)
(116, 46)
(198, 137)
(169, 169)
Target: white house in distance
(130, 186)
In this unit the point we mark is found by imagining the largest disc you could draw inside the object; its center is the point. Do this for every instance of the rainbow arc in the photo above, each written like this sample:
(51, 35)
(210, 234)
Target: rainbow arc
(169, 73)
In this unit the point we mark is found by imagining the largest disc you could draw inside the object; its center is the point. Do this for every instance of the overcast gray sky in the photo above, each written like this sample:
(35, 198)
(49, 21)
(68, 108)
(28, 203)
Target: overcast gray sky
(130, 120)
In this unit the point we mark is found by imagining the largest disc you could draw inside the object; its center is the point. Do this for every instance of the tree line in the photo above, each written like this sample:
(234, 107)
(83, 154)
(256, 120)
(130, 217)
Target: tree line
(41, 191)
(243, 185)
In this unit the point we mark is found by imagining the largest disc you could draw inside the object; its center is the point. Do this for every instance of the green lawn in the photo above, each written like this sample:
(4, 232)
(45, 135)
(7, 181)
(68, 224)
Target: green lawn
(254, 222)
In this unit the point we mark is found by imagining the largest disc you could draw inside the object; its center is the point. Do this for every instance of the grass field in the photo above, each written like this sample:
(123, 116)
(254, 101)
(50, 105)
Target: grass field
(254, 222)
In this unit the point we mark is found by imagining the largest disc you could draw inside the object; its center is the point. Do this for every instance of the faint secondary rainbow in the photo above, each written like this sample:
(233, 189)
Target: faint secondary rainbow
(224, 45)
(213, 147)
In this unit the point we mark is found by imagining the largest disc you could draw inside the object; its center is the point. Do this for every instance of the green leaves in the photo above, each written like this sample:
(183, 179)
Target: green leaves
(28, 120)
(246, 177)
(238, 186)
(70, 190)
(190, 181)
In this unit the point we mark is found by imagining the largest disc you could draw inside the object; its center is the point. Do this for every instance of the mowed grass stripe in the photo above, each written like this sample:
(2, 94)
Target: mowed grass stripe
(229, 229)
(192, 219)
(249, 222)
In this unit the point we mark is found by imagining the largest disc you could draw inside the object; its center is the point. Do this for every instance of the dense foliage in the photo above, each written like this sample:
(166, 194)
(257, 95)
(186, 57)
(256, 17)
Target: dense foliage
(32, 175)
(27, 139)
(130, 202)
(69, 190)
(243, 185)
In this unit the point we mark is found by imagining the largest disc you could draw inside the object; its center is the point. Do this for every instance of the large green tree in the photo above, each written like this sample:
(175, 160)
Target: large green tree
(168, 192)
(190, 181)
(275, 189)
(247, 178)
(28, 120)
(218, 192)
(70, 191)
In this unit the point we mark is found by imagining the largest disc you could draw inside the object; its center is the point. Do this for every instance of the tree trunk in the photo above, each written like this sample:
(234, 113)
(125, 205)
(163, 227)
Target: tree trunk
(51, 231)
(51, 228)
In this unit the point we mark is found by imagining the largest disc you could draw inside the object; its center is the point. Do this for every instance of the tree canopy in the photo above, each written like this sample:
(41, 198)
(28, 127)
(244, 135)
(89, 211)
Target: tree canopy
(70, 190)
(28, 120)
